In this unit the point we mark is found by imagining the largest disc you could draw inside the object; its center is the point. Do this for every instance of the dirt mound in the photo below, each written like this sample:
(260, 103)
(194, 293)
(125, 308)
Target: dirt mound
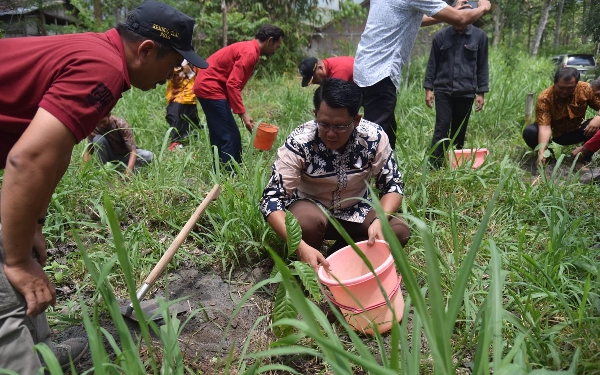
(203, 340)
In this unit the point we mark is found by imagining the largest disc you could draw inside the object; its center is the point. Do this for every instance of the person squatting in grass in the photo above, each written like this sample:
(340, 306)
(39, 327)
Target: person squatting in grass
(590, 147)
(559, 113)
(43, 114)
(315, 71)
(113, 142)
(181, 108)
(385, 45)
(457, 71)
(219, 89)
(327, 163)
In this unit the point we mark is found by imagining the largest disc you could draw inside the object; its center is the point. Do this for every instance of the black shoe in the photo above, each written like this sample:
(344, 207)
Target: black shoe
(70, 349)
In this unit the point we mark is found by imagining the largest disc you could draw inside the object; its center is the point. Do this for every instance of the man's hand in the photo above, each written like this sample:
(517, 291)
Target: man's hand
(39, 246)
(375, 232)
(429, 98)
(462, 4)
(248, 121)
(30, 280)
(580, 153)
(479, 102)
(592, 127)
(485, 4)
(312, 256)
(541, 161)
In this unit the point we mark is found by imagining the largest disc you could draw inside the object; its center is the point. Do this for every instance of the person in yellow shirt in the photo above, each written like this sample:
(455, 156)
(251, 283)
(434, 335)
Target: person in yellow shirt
(181, 110)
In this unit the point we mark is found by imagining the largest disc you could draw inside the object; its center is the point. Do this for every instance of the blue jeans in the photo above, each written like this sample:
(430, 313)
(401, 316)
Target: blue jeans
(223, 129)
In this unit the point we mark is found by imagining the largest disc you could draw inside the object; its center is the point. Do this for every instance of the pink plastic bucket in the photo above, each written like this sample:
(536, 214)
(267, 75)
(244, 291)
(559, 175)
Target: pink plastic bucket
(475, 155)
(356, 291)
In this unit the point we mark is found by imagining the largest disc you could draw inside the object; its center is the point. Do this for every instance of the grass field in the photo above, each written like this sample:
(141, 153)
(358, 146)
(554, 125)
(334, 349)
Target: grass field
(500, 273)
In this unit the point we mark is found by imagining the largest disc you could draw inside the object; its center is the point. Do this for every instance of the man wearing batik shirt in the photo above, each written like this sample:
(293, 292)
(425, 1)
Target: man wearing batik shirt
(327, 163)
(113, 141)
(559, 113)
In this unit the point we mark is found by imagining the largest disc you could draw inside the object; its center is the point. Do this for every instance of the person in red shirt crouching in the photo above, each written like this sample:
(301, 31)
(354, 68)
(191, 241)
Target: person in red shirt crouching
(315, 71)
(219, 89)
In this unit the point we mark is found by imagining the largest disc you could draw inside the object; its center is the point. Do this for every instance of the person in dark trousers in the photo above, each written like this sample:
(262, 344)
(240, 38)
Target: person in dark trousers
(559, 113)
(43, 114)
(181, 108)
(385, 45)
(219, 89)
(325, 168)
(457, 72)
(113, 142)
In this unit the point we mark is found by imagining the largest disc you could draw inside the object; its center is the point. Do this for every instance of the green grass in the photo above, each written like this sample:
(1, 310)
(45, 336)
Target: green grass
(500, 272)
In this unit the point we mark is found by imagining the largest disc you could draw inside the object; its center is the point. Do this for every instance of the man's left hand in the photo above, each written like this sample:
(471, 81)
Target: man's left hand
(592, 127)
(479, 102)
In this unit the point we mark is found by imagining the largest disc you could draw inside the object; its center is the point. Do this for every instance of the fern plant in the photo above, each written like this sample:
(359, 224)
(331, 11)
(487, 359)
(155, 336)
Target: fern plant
(283, 306)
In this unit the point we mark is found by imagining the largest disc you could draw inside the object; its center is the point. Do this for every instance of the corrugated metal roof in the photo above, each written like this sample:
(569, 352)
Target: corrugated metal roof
(24, 7)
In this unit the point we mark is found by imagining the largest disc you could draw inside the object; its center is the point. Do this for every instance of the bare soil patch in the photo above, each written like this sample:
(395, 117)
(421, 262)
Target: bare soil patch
(203, 340)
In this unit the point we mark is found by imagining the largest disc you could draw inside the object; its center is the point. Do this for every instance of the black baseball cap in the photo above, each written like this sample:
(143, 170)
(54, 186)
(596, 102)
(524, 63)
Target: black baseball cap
(165, 24)
(307, 69)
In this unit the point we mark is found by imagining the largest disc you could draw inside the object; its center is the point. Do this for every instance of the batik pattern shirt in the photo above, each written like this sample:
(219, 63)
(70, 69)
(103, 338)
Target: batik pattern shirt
(338, 181)
(564, 116)
(118, 133)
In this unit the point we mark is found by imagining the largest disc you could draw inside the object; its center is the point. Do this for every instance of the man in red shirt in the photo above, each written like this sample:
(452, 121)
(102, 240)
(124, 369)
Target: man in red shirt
(219, 89)
(588, 149)
(315, 71)
(43, 114)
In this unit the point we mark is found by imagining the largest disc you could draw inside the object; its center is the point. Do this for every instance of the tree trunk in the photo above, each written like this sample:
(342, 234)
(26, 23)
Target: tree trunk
(529, 31)
(98, 12)
(497, 25)
(541, 27)
(586, 15)
(224, 10)
(41, 18)
(559, 13)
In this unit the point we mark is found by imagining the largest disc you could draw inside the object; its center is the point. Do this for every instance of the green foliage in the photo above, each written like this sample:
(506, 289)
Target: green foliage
(294, 233)
(475, 233)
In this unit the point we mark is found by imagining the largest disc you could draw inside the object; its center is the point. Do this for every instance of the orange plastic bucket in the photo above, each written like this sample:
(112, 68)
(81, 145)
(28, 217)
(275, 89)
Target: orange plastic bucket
(265, 136)
(475, 155)
(355, 289)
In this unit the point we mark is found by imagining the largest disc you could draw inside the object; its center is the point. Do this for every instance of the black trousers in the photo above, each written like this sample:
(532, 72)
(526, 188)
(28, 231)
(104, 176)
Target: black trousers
(530, 135)
(379, 102)
(451, 120)
(177, 117)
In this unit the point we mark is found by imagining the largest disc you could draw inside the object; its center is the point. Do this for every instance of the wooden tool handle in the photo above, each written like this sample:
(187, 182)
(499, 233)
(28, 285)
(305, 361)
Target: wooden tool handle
(168, 255)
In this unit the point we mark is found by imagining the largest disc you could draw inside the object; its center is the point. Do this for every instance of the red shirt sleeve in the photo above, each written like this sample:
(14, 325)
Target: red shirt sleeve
(594, 143)
(81, 95)
(239, 76)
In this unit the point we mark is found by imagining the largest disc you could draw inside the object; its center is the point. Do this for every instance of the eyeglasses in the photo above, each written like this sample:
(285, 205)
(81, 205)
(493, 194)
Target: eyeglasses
(336, 128)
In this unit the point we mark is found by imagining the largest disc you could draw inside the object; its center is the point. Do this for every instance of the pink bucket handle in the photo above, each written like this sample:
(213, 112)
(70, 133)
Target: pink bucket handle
(368, 308)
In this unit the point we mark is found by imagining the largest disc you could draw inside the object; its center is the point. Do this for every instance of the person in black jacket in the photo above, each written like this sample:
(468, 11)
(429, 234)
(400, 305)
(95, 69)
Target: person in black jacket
(457, 71)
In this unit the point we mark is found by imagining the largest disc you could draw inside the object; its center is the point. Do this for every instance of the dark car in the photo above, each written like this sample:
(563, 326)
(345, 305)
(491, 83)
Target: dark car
(586, 64)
